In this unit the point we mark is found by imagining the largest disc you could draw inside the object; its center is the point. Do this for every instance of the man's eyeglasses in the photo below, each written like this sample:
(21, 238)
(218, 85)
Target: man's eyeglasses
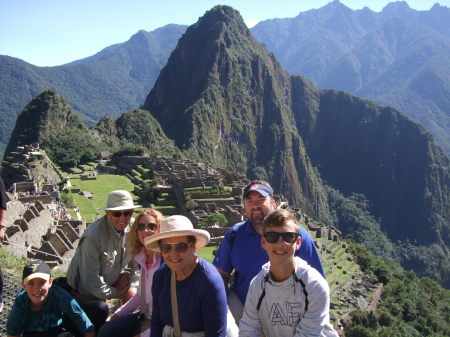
(180, 247)
(151, 226)
(118, 214)
(273, 237)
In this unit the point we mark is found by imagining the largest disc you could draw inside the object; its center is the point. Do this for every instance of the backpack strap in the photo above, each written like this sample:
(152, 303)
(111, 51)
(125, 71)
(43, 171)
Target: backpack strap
(232, 238)
(233, 233)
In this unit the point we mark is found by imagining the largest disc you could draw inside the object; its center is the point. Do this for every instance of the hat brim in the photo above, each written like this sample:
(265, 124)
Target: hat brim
(119, 208)
(43, 276)
(202, 238)
(261, 192)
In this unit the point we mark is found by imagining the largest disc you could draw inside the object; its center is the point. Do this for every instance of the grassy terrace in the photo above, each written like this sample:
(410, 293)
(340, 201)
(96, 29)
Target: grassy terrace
(339, 266)
(215, 199)
(206, 253)
(206, 190)
(100, 189)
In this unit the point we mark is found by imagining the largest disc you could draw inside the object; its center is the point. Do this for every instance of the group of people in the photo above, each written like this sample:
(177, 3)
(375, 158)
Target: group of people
(151, 267)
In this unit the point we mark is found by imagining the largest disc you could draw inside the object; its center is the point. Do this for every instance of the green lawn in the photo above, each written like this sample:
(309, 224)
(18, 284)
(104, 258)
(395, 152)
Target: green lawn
(207, 253)
(100, 189)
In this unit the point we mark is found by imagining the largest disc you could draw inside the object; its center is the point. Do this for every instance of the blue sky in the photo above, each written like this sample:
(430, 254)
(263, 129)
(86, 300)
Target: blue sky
(54, 32)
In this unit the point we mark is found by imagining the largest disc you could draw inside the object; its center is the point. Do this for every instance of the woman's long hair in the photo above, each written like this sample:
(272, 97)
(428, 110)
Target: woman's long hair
(132, 237)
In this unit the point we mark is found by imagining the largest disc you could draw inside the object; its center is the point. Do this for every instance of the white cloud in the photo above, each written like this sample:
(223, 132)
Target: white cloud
(251, 22)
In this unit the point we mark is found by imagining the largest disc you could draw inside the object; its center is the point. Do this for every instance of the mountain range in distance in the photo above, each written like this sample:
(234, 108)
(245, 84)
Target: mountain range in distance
(398, 57)
(367, 169)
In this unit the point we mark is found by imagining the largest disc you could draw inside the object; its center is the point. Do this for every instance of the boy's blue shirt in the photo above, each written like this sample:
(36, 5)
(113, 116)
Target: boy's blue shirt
(59, 302)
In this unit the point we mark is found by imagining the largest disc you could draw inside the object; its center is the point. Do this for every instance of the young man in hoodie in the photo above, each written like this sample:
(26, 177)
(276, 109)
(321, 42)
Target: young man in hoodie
(287, 297)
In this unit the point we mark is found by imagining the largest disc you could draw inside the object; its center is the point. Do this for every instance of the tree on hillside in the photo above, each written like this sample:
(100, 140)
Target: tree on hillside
(215, 219)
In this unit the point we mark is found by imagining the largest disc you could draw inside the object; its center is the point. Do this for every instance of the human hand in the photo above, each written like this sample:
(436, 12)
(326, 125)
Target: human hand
(122, 284)
(129, 294)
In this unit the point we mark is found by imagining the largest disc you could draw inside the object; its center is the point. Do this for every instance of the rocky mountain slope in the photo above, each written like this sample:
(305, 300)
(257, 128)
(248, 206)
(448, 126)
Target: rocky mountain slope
(224, 98)
(398, 57)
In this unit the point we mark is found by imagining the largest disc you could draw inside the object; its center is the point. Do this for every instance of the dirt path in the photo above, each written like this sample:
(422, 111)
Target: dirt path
(376, 299)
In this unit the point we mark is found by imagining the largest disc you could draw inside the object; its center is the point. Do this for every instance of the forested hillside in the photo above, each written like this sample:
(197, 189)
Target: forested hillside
(112, 81)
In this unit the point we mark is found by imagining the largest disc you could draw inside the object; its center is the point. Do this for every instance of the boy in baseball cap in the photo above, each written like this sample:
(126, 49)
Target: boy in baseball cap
(39, 308)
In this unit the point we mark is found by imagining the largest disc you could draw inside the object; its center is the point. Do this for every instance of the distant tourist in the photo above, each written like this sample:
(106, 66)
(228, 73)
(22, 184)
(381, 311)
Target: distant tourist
(2, 231)
(241, 250)
(125, 321)
(288, 297)
(188, 293)
(43, 310)
(97, 270)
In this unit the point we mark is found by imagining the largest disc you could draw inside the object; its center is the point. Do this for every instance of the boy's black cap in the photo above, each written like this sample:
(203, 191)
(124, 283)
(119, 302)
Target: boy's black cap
(36, 269)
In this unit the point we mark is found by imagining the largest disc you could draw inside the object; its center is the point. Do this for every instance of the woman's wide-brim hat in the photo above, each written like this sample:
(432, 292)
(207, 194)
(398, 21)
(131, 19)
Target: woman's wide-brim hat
(119, 200)
(177, 225)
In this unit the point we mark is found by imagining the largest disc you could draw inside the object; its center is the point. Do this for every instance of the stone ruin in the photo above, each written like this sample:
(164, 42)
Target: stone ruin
(38, 225)
(89, 176)
(38, 228)
(179, 176)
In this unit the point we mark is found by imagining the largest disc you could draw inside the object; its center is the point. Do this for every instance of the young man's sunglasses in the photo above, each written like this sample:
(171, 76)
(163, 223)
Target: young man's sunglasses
(151, 226)
(273, 237)
(180, 247)
(118, 214)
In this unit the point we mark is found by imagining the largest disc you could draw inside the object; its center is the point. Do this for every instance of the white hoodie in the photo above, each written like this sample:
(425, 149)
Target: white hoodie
(298, 306)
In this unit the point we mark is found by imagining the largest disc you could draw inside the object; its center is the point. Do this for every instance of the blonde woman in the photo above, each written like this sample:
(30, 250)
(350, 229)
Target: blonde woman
(124, 322)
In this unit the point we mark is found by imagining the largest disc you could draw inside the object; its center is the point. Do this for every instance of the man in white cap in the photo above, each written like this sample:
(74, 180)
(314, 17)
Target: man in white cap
(96, 272)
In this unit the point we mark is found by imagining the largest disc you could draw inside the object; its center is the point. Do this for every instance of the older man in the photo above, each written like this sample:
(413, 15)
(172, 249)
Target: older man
(241, 249)
(96, 272)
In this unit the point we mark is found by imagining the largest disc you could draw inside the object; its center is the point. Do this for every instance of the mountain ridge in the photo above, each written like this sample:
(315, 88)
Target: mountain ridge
(334, 63)
(94, 86)
(372, 55)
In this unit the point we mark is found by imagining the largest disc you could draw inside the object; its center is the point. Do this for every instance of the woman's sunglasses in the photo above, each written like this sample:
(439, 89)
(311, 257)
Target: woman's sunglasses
(118, 214)
(273, 237)
(151, 226)
(180, 247)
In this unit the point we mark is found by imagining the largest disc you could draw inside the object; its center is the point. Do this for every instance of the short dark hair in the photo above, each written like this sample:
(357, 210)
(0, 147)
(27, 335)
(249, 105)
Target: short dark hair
(278, 218)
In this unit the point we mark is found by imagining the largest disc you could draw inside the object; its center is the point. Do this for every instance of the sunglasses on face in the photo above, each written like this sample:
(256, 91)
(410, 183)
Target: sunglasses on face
(180, 247)
(151, 226)
(118, 214)
(273, 237)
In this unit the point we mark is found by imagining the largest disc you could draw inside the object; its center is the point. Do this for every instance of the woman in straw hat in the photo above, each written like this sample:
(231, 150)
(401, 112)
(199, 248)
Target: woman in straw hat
(188, 293)
(125, 322)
